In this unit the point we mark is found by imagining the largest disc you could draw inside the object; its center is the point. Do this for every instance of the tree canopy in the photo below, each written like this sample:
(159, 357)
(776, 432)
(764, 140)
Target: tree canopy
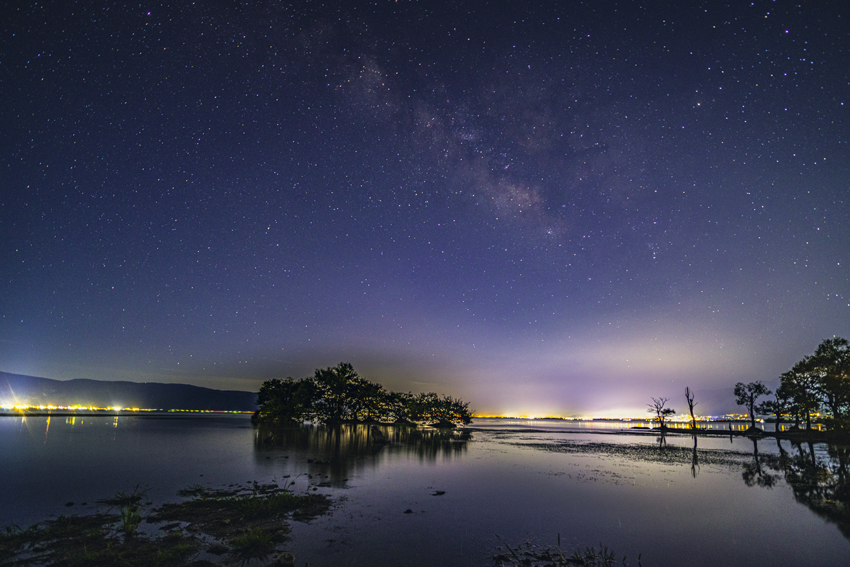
(338, 394)
(819, 383)
(748, 394)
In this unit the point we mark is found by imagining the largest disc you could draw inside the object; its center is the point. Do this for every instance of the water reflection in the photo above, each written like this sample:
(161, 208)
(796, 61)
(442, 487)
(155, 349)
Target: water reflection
(756, 475)
(695, 460)
(816, 473)
(337, 451)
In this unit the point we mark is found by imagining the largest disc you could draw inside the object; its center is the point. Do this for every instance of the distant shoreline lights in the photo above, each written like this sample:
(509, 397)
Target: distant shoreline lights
(23, 409)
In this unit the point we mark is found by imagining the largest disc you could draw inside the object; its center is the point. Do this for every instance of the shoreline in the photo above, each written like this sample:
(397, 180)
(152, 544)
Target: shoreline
(802, 434)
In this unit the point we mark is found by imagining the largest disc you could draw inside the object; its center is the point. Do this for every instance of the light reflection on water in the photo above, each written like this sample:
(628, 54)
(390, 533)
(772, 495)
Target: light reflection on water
(340, 453)
(673, 498)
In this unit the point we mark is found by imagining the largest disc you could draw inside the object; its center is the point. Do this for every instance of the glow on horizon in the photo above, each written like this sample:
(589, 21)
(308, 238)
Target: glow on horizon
(679, 418)
(16, 406)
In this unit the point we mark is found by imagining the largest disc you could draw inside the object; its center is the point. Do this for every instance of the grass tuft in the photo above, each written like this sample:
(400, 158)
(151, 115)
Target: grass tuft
(532, 556)
(255, 544)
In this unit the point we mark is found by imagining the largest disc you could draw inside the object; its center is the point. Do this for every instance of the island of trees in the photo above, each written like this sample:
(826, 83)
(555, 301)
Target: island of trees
(819, 384)
(337, 394)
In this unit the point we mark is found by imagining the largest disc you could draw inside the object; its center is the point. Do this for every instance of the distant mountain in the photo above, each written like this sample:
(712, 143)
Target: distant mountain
(147, 395)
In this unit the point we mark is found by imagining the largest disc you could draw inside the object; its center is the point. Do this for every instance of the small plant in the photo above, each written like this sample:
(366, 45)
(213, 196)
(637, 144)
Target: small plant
(289, 484)
(131, 517)
(129, 509)
(254, 544)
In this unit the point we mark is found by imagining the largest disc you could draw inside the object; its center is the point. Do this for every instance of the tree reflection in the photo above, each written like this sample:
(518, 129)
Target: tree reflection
(756, 475)
(821, 483)
(817, 475)
(338, 450)
(695, 460)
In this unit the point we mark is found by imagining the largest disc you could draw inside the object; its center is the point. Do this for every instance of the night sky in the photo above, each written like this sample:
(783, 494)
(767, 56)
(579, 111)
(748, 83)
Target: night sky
(545, 208)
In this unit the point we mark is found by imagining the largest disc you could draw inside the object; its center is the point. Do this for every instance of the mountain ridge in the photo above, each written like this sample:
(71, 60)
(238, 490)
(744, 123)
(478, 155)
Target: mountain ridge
(33, 390)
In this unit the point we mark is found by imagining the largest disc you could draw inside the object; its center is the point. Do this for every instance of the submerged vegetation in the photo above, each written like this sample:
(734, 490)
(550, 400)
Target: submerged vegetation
(216, 512)
(241, 524)
(554, 556)
(338, 394)
(91, 541)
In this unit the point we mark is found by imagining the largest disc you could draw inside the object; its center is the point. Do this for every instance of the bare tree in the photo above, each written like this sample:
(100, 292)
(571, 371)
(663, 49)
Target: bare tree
(661, 412)
(689, 395)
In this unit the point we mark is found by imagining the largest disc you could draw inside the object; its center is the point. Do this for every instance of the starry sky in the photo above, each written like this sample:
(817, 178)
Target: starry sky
(545, 208)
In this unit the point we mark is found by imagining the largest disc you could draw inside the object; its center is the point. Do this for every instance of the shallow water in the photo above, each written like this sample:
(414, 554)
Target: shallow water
(636, 493)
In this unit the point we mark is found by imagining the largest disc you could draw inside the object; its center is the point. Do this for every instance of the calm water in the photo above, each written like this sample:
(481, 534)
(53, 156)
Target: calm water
(718, 504)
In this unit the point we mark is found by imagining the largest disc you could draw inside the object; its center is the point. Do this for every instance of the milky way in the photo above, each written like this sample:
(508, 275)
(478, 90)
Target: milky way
(544, 208)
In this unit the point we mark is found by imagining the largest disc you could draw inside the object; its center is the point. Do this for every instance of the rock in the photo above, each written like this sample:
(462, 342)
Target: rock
(285, 559)
(377, 435)
(439, 493)
(218, 549)
(408, 511)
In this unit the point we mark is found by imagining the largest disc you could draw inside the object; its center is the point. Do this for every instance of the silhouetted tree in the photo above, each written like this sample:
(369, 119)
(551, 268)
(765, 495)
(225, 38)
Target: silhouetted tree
(821, 381)
(338, 394)
(778, 407)
(366, 400)
(661, 412)
(443, 412)
(399, 407)
(336, 387)
(830, 366)
(800, 385)
(748, 395)
(689, 395)
(285, 401)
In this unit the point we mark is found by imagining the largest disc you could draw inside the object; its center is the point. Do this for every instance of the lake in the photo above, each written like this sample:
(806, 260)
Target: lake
(434, 498)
